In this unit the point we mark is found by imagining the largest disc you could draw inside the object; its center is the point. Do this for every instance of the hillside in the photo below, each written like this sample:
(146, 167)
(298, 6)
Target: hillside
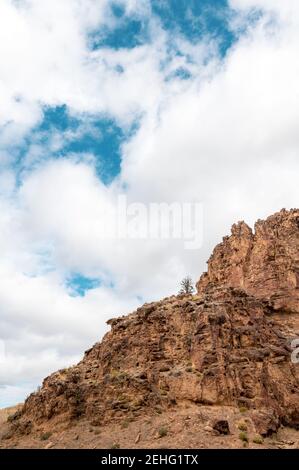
(207, 370)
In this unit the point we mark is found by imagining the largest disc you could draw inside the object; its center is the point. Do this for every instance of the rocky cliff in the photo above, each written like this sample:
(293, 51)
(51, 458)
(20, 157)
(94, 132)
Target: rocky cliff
(265, 263)
(227, 346)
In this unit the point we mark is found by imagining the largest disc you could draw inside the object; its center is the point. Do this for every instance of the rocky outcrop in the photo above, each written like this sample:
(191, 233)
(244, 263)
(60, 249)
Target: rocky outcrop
(226, 346)
(265, 263)
(220, 349)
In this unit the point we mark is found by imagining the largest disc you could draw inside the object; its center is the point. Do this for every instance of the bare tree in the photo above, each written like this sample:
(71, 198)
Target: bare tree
(186, 286)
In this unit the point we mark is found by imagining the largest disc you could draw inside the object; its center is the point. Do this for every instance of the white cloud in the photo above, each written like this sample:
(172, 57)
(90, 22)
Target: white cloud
(12, 395)
(286, 10)
(228, 137)
(43, 327)
(66, 204)
(45, 49)
(49, 62)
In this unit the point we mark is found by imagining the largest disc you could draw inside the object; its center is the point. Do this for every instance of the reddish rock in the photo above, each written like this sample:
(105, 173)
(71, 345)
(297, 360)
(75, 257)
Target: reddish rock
(264, 263)
(266, 422)
(228, 345)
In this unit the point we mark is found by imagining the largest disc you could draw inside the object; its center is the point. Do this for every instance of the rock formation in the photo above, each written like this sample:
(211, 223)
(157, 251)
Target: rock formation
(264, 263)
(229, 345)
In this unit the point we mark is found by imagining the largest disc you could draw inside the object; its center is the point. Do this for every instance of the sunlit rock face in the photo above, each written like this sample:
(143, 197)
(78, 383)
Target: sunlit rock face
(228, 345)
(265, 263)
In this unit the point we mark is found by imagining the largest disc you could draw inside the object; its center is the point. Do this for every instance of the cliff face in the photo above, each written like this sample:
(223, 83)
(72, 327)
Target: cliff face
(264, 263)
(220, 349)
(229, 345)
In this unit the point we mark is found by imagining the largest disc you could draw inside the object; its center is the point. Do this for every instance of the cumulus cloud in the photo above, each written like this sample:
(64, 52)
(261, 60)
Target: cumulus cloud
(230, 141)
(49, 61)
(226, 135)
(42, 47)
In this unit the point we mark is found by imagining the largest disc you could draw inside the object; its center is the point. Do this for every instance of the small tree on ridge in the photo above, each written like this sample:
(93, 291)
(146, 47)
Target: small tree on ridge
(186, 286)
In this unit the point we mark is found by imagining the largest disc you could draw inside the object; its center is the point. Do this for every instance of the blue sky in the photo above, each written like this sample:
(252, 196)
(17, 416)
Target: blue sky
(102, 136)
(158, 100)
(191, 18)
